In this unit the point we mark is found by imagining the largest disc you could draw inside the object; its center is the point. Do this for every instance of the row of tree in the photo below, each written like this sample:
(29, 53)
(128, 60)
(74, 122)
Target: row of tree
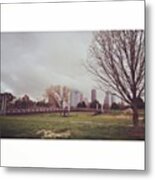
(114, 106)
(24, 102)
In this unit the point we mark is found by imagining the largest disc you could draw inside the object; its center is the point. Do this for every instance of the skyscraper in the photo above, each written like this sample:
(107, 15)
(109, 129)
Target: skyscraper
(75, 98)
(93, 95)
(106, 100)
(112, 98)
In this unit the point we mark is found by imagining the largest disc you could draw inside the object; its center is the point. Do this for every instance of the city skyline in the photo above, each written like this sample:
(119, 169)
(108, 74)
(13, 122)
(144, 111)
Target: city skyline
(75, 97)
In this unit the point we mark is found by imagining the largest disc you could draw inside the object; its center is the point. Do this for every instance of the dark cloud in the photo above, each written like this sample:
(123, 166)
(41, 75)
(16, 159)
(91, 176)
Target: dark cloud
(32, 61)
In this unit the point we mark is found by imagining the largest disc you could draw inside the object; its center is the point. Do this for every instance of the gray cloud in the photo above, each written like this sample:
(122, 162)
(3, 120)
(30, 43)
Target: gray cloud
(32, 61)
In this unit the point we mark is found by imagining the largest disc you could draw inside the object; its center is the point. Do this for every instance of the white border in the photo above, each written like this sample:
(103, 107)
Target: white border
(72, 16)
(73, 154)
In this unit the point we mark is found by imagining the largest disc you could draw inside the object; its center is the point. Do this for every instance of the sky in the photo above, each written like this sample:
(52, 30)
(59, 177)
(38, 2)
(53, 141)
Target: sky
(33, 61)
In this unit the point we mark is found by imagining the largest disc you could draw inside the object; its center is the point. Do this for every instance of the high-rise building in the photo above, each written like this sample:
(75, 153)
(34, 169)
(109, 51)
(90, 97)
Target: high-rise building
(75, 98)
(93, 95)
(112, 98)
(107, 100)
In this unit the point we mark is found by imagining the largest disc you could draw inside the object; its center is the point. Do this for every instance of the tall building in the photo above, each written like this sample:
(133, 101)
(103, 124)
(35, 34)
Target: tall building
(107, 100)
(75, 98)
(112, 98)
(93, 95)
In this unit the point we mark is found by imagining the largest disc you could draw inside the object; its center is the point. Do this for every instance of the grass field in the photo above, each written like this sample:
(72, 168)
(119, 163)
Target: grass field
(115, 126)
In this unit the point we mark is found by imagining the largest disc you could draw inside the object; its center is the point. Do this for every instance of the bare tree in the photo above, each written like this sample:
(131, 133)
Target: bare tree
(59, 96)
(117, 61)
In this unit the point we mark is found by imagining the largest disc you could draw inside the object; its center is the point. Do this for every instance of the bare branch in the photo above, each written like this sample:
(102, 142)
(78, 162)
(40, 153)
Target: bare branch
(116, 59)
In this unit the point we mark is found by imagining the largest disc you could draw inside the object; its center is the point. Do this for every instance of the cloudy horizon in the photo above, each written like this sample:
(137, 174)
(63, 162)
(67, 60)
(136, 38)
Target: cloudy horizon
(33, 61)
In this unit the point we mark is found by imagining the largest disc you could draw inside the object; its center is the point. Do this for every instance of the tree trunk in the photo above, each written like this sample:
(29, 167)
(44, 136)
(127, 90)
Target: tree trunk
(135, 117)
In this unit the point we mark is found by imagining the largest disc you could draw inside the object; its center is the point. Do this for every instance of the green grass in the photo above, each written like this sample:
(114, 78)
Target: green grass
(76, 126)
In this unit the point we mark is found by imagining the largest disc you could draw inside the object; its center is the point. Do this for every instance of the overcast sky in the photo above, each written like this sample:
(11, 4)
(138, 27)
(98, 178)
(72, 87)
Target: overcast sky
(31, 62)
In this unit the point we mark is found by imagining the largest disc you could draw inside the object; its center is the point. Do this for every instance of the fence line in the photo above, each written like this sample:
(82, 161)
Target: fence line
(44, 110)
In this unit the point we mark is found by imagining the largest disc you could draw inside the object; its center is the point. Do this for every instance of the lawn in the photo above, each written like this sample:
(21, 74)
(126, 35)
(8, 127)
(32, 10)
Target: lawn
(114, 126)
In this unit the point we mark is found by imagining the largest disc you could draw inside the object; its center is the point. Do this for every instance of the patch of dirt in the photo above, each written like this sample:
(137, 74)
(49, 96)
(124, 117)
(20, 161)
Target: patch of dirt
(43, 133)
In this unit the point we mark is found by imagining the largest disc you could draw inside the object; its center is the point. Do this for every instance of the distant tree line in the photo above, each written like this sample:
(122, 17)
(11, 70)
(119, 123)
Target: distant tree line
(11, 102)
(114, 106)
(118, 106)
(25, 102)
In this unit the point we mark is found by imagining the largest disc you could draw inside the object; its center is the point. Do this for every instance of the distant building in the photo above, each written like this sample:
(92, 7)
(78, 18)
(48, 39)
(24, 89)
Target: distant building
(113, 98)
(75, 98)
(107, 100)
(93, 95)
